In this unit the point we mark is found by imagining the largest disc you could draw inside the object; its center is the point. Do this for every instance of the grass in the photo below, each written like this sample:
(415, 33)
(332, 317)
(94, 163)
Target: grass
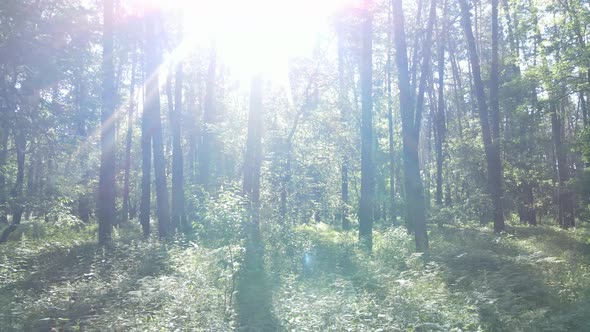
(529, 279)
(68, 283)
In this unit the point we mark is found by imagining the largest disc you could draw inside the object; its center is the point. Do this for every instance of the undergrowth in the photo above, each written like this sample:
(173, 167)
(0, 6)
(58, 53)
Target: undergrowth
(66, 282)
(529, 279)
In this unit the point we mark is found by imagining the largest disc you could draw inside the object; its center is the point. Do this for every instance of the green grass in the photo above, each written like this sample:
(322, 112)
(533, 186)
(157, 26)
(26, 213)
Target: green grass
(530, 279)
(68, 283)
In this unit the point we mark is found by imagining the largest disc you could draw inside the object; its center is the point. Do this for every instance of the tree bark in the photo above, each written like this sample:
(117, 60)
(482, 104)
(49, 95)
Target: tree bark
(390, 129)
(18, 199)
(440, 127)
(3, 156)
(253, 158)
(106, 211)
(491, 147)
(130, 111)
(153, 61)
(344, 113)
(411, 120)
(367, 198)
(208, 143)
(178, 213)
(564, 195)
(146, 180)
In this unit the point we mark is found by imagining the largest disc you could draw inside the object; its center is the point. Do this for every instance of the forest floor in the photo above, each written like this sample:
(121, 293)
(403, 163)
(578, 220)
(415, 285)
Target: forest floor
(530, 279)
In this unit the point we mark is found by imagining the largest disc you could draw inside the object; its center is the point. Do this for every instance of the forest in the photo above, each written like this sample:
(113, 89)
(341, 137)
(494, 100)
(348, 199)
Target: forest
(294, 165)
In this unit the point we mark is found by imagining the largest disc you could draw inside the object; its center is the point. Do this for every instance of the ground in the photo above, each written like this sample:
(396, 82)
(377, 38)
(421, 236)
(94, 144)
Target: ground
(314, 279)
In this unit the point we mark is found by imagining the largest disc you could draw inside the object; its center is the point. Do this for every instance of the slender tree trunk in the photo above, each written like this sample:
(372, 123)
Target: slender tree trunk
(458, 91)
(191, 118)
(254, 295)
(146, 166)
(392, 207)
(207, 151)
(178, 213)
(3, 157)
(367, 198)
(344, 113)
(130, 111)
(440, 111)
(153, 61)
(492, 149)
(416, 218)
(526, 208)
(253, 158)
(496, 169)
(584, 109)
(167, 135)
(286, 178)
(31, 174)
(106, 210)
(564, 195)
(18, 199)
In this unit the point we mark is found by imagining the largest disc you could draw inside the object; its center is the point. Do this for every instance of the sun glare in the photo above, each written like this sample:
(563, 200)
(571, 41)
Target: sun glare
(256, 35)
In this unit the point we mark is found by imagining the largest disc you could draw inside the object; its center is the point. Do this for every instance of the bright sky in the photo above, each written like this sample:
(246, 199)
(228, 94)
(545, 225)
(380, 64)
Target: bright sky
(254, 35)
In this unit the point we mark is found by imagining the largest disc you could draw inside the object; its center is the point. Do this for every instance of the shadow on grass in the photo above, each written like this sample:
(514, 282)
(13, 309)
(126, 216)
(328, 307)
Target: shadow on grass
(254, 298)
(507, 283)
(89, 279)
(554, 240)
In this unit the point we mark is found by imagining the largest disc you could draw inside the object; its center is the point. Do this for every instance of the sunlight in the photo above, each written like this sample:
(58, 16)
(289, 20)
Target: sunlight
(256, 35)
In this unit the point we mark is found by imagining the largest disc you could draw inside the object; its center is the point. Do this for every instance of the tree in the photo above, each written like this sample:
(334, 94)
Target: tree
(178, 213)
(253, 157)
(20, 143)
(4, 134)
(411, 113)
(565, 202)
(106, 211)
(344, 113)
(491, 139)
(390, 130)
(210, 119)
(152, 107)
(367, 198)
(440, 123)
(129, 140)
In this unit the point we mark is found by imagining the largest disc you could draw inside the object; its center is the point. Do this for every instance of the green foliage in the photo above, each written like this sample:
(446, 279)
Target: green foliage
(393, 290)
(217, 220)
(532, 279)
(69, 283)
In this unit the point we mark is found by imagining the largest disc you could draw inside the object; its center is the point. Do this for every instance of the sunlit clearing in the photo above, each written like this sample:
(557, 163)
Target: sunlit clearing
(256, 35)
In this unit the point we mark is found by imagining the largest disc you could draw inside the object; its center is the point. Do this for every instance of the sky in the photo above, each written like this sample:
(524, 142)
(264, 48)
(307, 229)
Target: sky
(255, 35)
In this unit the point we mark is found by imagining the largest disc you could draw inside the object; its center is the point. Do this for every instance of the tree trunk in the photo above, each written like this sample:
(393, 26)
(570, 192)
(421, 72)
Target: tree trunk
(178, 213)
(126, 190)
(106, 211)
(344, 104)
(526, 208)
(286, 149)
(564, 195)
(492, 148)
(3, 157)
(253, 158)
(458, 92)
(146, 179)
(207, 152)
(440, 123)
(391, 145)
(367, 198)
(153, 61)
(496, 169)
(18, 199)
(411, 119)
